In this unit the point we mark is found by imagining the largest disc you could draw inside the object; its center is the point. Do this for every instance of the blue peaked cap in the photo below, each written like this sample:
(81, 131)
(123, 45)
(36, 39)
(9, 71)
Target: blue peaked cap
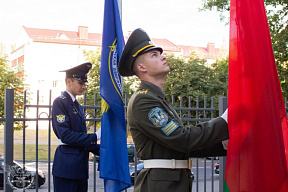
(79, 72)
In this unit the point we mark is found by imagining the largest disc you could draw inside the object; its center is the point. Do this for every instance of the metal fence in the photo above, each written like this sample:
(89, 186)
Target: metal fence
(201, 111)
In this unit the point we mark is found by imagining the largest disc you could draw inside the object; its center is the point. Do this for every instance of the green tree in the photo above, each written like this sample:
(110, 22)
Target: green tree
(193, 79)
(187, 79)
(221, 71)
(130, 84)
(93, 85)
(277, 14)
(11, 79)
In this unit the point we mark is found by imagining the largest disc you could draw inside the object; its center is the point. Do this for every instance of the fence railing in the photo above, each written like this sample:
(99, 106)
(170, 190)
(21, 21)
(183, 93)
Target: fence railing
(202, 111)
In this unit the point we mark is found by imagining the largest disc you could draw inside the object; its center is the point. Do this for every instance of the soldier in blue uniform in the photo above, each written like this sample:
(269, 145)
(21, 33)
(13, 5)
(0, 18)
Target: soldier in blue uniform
(70, 167)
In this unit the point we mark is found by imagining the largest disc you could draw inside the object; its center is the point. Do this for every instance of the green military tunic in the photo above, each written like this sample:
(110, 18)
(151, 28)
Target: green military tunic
(158, 133)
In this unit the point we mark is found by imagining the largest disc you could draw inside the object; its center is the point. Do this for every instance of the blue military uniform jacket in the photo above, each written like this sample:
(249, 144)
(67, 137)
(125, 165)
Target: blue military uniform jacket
(71, 158)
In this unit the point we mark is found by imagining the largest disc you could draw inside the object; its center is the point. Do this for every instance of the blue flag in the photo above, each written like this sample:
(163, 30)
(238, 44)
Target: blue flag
(113, 164)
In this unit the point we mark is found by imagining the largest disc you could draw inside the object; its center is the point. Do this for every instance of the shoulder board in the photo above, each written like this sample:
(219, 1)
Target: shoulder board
(62, 97)
(142, 91)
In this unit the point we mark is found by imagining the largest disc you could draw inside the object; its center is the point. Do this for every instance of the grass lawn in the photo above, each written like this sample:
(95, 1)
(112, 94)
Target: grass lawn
(30, 149)
(30, 134)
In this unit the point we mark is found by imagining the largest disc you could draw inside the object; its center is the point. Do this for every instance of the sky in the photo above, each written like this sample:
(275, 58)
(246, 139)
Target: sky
(178, 21)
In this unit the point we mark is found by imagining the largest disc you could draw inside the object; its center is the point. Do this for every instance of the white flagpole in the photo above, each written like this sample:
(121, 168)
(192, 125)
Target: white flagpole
(120, 8)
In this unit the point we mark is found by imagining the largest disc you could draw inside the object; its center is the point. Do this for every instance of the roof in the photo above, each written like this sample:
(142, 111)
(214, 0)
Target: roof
(64, 37)
(166, 45)
(202, 52)
(95, 39)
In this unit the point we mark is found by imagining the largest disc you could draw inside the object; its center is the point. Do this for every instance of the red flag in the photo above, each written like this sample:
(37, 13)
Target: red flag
(256, 159)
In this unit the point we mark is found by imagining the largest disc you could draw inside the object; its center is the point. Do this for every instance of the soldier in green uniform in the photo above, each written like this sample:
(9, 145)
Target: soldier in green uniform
(160, 138)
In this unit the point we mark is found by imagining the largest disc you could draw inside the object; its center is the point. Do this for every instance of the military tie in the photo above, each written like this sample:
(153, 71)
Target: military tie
(76, 104)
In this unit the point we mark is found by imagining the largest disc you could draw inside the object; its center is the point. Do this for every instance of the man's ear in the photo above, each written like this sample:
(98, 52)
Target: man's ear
(141, 67)
(68, 80)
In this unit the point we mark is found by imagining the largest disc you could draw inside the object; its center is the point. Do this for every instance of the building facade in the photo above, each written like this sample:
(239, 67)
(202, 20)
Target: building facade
(45, 52)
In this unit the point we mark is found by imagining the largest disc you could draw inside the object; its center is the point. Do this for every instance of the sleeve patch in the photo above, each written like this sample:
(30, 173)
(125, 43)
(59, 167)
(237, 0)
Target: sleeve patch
(170, 128)
(60, 118)
(158, 117)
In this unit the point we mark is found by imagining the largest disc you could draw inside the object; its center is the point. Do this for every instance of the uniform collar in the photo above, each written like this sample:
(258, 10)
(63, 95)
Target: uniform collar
(72, 96)
(153, 88)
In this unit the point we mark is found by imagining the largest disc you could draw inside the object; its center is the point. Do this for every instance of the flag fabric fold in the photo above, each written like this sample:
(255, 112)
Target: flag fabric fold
(256, 158)
(113, 163)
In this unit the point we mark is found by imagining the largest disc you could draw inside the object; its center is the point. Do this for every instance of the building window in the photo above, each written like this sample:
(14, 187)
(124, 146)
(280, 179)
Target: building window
(41, 83)
(57, 83)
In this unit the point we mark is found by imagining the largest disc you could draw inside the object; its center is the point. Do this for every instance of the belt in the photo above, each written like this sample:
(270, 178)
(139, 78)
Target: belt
(61, 143)
(74, 146)
(166, 163)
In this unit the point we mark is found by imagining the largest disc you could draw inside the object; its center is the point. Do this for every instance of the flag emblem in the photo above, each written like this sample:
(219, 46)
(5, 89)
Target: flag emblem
(113, 59)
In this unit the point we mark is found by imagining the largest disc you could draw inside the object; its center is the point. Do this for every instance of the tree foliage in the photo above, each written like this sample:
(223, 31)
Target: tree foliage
(193, 79)
(221, 69)
(11, 79)
(277, 14)
(130, 84)
(93, 86)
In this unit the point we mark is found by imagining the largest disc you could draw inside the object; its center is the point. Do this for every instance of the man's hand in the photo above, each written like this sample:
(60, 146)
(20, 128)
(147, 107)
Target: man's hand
(98, 133)
(225, 115)
(225, 144)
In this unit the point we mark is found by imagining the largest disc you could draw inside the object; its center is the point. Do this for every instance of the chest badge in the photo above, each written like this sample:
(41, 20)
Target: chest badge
(158, 117)
(75, 111)
(60, 118)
